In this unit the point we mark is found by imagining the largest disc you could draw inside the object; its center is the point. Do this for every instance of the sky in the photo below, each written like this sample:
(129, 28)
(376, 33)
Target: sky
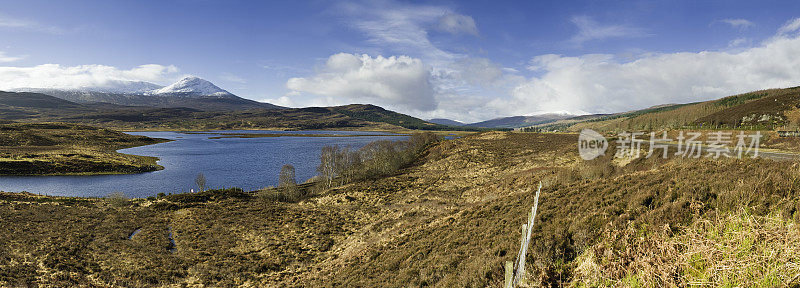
(462, 60)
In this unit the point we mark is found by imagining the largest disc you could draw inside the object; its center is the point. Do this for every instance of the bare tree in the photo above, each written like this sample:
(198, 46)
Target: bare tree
(350, 162)
(328, 164)
(200, 181)
(286, 178)
(117, 199)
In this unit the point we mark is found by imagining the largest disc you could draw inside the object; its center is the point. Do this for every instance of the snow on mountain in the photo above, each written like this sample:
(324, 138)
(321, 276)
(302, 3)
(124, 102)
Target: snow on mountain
(192, 86)
(126, 87)
(112, 87)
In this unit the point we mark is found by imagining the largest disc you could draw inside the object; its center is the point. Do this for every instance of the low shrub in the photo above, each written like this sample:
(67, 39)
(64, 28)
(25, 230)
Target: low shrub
(283, 194)
(208, 195)
(340, 165)
(117, 199)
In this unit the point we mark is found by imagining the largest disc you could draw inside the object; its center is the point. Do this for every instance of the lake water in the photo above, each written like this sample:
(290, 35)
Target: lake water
(248, 163)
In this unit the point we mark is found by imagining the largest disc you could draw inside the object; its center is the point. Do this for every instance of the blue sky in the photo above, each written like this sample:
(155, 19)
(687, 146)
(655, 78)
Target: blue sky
(462, 60)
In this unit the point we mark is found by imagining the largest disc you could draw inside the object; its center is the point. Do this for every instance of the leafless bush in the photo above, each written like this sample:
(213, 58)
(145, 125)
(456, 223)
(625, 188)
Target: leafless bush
(286, 178)
(375, 159)
(117, 199)
(200, 180)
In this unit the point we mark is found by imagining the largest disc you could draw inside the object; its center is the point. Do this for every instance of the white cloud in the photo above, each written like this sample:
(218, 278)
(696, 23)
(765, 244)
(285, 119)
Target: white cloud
(738, 42)
(474, 75)
(8, 22)
(589, 30)
(790, 27)
(17, 24)
(432, 82)
(476, 71)
(600, 83)
(285, 100)
(82, 76)
(456, 24)
(5, 58)
(740, 24)
(396, 81)
(402, 28)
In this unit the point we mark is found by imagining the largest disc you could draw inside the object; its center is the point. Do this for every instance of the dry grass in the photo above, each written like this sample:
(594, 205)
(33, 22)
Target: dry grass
(59, 148)
(764, 109)
(449, 220)
(736, 249)
(741, 250)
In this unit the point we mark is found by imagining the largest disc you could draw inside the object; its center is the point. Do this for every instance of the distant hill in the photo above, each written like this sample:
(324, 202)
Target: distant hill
(448, 122)
(189, 92)
(36, 107)
(520, 121)
(34, 100)
(374, 113)
(175, 101)
(764, 109)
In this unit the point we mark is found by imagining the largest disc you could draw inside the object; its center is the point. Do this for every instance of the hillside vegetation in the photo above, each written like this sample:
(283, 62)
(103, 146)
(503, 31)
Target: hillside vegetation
(34, 107)
(765, 110)
(60, 148)
(451, 218)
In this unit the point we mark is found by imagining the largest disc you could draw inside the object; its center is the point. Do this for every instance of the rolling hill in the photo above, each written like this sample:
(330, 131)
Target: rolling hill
(520, 121)
(36, 107)
(765, 109)
(368, 112)
(33, 100)
(447, 122)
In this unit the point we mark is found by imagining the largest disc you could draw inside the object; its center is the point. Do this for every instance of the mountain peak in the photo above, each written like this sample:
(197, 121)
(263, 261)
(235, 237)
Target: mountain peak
(193, 86)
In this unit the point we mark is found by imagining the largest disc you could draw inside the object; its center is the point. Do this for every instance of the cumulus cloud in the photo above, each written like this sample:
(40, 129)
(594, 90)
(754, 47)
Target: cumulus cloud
(475, 74)
(457, 24)
(589, 30)
(82, 76)
(600, 83)
(5, 58)
(397, 81)
(476, 71)
(285, 100)
(740, 24)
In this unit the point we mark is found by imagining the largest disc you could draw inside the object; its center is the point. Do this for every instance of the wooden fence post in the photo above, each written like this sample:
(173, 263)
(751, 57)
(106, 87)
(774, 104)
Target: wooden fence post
(518, 276)
(509, 274)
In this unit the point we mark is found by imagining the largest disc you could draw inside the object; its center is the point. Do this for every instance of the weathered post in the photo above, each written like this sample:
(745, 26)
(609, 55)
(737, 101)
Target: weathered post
(509, 274)
(518, 276)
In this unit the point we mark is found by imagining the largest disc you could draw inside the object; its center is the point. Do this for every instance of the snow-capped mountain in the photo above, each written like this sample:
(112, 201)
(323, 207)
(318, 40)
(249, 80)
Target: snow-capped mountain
(193, 87)
(189, 92)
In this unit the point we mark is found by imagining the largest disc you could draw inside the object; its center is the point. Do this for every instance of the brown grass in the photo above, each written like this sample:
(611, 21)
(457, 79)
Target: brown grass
(764, 109)
(737, 249)
(59, 148)
(450, 220)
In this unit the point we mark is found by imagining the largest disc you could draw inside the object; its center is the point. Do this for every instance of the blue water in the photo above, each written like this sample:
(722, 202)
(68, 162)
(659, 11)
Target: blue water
(248, 163)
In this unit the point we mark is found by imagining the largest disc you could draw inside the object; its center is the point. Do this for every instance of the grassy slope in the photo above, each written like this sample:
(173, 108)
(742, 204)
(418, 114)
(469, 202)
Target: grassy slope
(450, 220)
(58, 148)
(377, 114)
(765, 109)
